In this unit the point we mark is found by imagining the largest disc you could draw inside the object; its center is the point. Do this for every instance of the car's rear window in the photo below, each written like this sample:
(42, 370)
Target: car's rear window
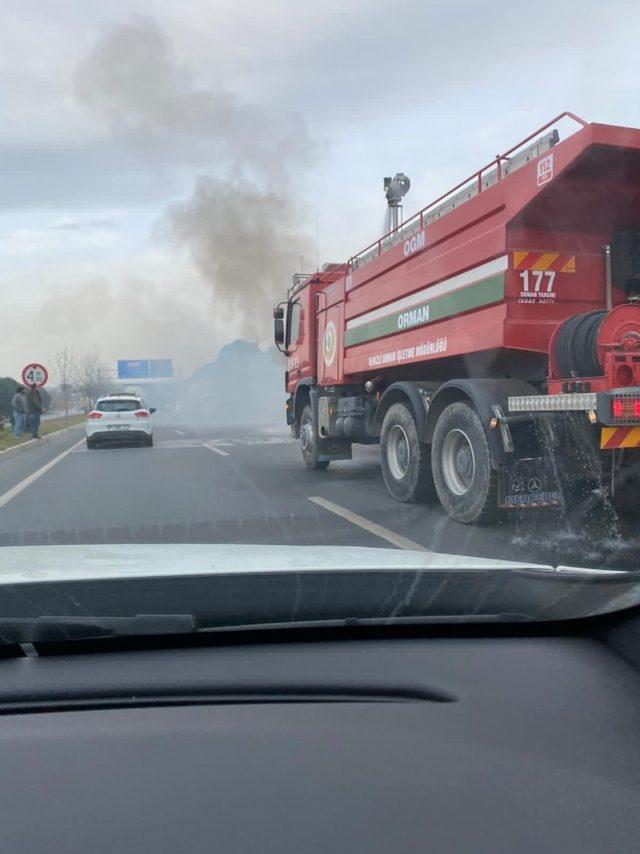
(116, 405)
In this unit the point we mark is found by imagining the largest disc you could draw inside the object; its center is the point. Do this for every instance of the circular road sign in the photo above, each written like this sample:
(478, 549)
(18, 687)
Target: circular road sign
(35, 373)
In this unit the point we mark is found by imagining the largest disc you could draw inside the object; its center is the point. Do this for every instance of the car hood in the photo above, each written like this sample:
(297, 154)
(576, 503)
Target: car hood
(24, 564)
(163, 588)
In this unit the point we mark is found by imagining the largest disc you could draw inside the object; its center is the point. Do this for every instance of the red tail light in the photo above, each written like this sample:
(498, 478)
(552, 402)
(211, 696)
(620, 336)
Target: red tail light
(94, 415)
(141, 413)
(625, 408)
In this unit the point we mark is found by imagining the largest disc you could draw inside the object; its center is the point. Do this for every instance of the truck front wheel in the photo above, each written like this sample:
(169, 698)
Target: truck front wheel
(405, 462)
(309, 442)
(465, 481)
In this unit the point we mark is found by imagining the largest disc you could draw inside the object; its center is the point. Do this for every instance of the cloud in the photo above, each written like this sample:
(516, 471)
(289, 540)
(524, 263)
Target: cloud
(71, 224)
(54, 242)
(149, 306)
(84, 174)
(133, 80)
(241, 224)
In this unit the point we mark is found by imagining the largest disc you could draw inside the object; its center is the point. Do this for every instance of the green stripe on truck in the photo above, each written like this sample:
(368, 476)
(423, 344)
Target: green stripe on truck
(473, 296)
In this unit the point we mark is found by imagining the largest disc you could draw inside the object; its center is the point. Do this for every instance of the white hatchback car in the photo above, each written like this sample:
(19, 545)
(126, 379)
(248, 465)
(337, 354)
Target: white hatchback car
(120, 418)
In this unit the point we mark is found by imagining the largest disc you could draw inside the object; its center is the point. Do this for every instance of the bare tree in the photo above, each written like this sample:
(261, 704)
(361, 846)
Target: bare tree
(92, 377)
(66, 368)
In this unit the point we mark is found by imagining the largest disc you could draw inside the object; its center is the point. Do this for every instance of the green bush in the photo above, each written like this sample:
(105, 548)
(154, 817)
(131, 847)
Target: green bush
(8, 388)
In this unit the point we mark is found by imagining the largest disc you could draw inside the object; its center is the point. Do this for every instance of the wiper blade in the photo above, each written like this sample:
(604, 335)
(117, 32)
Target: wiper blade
(79, 610)
(49, 629)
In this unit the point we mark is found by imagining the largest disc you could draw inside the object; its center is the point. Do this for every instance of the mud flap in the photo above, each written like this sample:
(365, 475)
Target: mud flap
(528, 483)
(333, 449)
(566, 472)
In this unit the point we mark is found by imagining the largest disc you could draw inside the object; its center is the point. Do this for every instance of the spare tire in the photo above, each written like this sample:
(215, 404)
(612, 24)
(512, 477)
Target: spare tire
(575, 351)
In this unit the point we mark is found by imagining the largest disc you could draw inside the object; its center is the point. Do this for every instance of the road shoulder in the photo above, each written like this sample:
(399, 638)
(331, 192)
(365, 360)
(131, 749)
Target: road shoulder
(35, 443)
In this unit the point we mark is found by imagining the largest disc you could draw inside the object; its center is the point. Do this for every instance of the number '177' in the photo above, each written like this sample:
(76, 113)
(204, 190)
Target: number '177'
(538, 276)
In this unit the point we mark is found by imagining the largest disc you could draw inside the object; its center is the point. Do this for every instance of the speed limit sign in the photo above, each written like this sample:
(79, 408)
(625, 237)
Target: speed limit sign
(35, 373)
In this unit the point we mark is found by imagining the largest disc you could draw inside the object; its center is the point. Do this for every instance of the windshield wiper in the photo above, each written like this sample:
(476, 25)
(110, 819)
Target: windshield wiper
(49, 629)
(221, 601)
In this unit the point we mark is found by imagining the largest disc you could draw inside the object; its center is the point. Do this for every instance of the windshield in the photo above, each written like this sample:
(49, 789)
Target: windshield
(321, 283)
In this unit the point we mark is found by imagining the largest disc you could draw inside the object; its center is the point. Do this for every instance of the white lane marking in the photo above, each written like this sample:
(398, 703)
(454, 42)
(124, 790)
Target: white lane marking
(215, 445)
(250, 440)
(6, 497)
(268, 440)
(162, 445)
(216, 450)
(371, 527)
(180, 432)
(173, 444)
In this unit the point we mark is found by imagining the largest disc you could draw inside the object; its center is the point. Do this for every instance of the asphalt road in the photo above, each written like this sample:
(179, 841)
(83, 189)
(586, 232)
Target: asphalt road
(249, 486)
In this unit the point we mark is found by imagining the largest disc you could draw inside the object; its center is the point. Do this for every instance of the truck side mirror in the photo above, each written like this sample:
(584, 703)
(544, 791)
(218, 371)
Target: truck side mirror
(278, 326)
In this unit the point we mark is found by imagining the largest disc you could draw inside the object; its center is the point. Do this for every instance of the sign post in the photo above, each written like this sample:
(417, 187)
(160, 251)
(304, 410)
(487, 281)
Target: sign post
(35, 373)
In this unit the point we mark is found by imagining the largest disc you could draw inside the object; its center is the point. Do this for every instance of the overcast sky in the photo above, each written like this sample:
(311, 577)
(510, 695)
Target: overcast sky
(165, 165)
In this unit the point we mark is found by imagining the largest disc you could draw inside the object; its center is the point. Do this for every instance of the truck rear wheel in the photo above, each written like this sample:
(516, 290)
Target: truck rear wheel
(406, 466)
(465, 481)
(309, 442)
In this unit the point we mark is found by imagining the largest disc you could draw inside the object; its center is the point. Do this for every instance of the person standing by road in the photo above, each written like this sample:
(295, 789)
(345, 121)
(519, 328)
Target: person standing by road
(19, 406)
(34, 410)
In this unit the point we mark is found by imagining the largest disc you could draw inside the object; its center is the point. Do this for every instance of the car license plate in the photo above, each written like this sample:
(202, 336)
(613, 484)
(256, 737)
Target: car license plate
(117, 426)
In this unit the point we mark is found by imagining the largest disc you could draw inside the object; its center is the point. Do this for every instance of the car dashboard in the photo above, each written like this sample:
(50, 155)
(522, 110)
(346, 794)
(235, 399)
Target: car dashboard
(449, 741)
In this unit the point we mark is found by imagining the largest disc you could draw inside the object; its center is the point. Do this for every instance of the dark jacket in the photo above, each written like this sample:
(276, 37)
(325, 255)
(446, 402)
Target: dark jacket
(34, 401)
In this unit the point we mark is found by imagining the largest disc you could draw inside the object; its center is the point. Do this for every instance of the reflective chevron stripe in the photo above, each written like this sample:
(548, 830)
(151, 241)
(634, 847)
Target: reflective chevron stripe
(619, 437)
(561, 262)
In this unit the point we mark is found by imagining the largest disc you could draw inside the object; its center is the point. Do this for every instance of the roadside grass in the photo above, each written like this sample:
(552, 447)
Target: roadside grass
(7, 440)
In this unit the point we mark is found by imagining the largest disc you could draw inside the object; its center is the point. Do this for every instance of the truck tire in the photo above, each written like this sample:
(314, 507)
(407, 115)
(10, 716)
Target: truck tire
(91, 445)
(626, 496)
(465, 481)
(309, 442)
(405, 461)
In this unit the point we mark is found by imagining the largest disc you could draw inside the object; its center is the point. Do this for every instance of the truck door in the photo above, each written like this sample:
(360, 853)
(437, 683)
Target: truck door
(330, 344)
(300, 362)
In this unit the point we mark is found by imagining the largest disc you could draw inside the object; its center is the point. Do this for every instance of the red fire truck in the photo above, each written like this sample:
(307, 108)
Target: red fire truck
(491, 343)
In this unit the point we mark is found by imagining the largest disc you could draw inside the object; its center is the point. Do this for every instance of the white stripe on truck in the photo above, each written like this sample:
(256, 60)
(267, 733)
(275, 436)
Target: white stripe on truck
(491, 268)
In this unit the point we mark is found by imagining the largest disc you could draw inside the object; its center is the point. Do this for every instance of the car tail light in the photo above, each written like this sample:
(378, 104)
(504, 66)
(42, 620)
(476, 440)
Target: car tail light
(141, 413)
(625, 408)
(94, 415)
